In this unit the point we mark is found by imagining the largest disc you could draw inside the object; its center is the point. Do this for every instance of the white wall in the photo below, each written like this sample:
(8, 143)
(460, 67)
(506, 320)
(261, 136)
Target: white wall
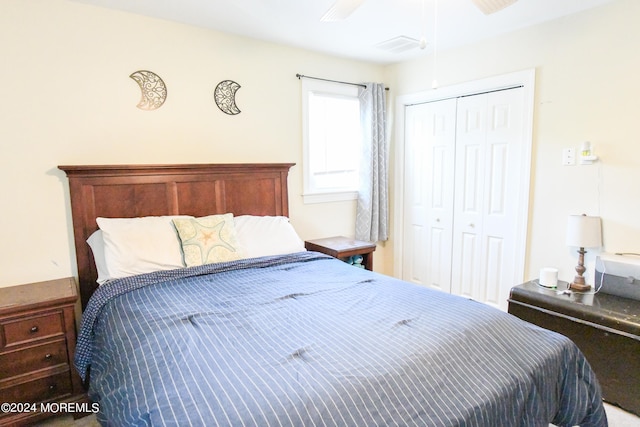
(66, 98)
(587, 88)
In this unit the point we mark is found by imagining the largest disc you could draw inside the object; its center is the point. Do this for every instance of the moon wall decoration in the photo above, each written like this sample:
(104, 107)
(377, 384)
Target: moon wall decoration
(225, 97)
(154, 91)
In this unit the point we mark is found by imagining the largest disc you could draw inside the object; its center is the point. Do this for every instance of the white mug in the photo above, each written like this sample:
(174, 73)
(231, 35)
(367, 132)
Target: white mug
(549, 277)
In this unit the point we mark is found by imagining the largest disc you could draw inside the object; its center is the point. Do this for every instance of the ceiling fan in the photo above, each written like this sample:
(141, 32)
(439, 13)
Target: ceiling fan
(341, 9)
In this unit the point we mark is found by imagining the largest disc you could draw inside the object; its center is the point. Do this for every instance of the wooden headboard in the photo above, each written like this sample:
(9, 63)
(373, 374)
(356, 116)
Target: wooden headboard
(127, 191)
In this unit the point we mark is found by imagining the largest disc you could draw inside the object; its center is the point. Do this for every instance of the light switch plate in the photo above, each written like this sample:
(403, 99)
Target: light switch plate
(569, 157)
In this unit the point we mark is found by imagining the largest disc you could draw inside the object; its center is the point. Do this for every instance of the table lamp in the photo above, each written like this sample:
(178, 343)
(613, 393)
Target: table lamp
(583, 232)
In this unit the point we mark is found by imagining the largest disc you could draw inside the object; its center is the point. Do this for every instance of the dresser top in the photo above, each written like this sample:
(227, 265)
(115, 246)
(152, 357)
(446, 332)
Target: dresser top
(38, 294)
(622, 314)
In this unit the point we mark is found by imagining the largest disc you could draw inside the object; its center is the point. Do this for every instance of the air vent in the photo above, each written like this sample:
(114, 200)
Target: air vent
(340, 10)
(491, 6)
(399, 44)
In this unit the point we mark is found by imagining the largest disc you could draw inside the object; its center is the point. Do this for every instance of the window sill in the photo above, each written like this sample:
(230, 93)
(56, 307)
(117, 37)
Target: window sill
(338, 196)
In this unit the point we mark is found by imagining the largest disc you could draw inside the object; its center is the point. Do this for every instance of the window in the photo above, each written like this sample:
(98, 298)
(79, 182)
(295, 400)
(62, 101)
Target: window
(332, 141)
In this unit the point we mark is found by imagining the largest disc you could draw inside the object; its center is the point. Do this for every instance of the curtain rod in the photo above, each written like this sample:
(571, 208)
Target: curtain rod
(301, 76)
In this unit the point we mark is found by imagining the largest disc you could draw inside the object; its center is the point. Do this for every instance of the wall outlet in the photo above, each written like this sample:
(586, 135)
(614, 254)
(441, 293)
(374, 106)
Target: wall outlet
(569, 157)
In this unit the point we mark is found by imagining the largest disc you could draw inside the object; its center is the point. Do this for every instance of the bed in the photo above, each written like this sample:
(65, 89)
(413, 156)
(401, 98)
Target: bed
(292, 337)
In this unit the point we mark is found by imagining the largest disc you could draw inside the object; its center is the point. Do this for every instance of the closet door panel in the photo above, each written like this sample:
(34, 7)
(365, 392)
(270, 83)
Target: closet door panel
(497, 185)
(504, 143)
(466, 265)
(489, 291)
(469, 176)
(416, 253)
(415, 211)
(488, 147)
(438, 263)
(429, 149)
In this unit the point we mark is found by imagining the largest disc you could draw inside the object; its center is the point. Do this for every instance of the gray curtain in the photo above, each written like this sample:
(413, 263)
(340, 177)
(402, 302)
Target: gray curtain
(372, 214)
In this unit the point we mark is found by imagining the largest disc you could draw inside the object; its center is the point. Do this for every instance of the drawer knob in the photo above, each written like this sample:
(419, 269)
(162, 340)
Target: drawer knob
(52, 387)
(48, 356)
(34, 329)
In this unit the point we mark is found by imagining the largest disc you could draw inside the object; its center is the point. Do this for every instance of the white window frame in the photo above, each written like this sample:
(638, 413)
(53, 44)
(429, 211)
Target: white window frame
(310, 194)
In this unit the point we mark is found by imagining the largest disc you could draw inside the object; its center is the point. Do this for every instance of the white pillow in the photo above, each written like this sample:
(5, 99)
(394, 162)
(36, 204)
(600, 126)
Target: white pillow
(140, 245)
(96, 243)
(267, 235)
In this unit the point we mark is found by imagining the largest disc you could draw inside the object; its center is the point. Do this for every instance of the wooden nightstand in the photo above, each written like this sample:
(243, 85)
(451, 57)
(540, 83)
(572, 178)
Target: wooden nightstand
(37, 346)
(342, 248)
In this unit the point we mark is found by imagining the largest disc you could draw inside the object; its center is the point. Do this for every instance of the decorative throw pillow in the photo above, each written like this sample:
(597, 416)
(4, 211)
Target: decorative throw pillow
(208, 239)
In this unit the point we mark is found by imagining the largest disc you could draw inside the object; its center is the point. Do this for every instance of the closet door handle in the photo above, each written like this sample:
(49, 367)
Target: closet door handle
(472, 225)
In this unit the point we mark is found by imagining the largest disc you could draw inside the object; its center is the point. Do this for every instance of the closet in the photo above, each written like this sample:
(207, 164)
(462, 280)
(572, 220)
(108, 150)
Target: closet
(463, 194)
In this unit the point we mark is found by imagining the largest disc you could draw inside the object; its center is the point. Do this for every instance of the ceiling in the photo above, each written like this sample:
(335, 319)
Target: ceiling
(297, 22)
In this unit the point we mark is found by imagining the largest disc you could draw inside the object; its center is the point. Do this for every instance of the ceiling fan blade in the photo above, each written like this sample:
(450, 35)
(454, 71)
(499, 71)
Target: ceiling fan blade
(491, 6)
(340, 10)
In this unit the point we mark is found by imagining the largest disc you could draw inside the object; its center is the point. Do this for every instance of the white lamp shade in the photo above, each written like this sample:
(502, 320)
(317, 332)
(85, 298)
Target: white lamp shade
(584, 231)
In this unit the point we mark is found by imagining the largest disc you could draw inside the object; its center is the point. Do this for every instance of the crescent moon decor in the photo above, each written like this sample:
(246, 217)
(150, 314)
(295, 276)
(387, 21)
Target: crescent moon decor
(225, 97)
(154, 91)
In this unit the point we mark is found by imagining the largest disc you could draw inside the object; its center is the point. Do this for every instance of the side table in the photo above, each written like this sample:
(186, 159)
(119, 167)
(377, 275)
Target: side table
(343, 247)
(37, 345)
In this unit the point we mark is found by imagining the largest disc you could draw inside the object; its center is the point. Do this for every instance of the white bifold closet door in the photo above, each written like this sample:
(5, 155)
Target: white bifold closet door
(429, 188)
(462, 183)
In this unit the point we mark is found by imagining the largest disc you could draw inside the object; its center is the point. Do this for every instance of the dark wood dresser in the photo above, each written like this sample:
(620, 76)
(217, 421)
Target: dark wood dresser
(37, 346)
(605, 327)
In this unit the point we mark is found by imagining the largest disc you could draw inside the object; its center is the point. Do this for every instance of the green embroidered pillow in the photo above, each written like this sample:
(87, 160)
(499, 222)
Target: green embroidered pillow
(208, 239)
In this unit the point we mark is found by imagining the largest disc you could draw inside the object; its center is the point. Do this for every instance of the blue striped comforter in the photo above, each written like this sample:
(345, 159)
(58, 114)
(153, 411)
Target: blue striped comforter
(306, 340)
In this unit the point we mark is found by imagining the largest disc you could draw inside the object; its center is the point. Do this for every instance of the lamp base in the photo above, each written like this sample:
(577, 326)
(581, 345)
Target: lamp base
(579, 283)
(579, 287)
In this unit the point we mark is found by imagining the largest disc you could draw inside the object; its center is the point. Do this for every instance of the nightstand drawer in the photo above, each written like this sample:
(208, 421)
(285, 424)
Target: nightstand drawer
(32, 328)
(29, 359)
(38, 390)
